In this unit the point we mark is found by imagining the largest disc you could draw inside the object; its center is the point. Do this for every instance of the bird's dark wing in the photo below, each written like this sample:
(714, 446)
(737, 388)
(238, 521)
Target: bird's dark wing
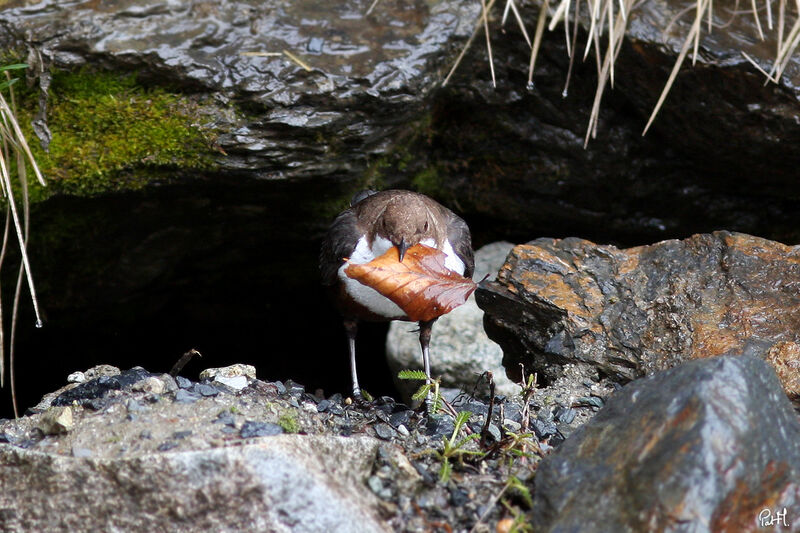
(360, 195)
(339, 243)
(461, 241)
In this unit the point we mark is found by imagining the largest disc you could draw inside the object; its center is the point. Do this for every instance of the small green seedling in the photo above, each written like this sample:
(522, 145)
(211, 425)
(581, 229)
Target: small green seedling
(426, 390)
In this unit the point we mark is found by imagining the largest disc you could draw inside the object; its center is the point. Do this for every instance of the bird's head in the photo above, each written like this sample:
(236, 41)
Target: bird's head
(406, 226)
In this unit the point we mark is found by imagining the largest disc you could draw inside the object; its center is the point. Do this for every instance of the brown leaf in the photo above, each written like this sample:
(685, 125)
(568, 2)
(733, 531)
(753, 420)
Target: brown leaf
(421, 285)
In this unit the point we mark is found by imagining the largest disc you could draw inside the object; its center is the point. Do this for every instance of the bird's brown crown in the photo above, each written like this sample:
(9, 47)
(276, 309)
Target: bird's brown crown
(406, 217)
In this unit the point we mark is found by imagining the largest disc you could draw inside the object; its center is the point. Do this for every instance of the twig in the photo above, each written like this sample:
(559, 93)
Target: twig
(488, 41)
(478, 25)
(185, 358)
(297, 60)
(485, 429)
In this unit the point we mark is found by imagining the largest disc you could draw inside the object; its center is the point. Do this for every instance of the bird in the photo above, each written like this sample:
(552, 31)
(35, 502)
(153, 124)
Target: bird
(374, 222)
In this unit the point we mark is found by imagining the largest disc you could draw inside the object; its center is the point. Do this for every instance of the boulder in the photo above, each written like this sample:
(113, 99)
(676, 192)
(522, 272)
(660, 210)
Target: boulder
(284, 483)
(711, 445)
(460, 349)
(632, 312)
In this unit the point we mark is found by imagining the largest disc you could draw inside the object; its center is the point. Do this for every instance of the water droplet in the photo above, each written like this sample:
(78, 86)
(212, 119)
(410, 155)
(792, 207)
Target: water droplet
(564, 93)
(530, 86)
(39, 323)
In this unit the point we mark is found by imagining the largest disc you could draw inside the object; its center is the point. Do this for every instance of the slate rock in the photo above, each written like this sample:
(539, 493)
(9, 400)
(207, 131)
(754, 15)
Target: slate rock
(252, 429)
(704, 446)
(185, 396)
(205, 389)
(632, 312)
(99, 387)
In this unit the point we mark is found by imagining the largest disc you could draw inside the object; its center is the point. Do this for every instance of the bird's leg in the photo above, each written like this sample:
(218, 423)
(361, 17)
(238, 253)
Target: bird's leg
(424, 341)
(351, 328)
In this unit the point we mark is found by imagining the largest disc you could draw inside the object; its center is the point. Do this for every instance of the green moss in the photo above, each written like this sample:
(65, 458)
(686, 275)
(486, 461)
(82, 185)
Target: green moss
(110, 133)
(289, 423)
(428, 181)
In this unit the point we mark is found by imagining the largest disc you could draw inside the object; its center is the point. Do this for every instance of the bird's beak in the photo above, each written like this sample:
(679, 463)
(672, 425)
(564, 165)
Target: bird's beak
(401, 248)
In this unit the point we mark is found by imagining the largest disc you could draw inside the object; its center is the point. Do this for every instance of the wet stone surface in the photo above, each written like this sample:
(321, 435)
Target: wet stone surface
(133, 424)
(632, 312)
(408, 470)
(737, 440)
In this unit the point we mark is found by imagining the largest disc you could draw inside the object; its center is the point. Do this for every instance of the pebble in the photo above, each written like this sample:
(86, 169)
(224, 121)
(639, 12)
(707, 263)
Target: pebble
(281, 387)
(56, 420)
(133, 406)
(76, 377)
(375, 484)
(225, 418)
(543, 429)
(565, 414)
(494, 431)
(205, 389)
(323, 405)
(384, 431)
(232, 371)
(511, 425)
(181, 434)
(166, 446)
(183, 383)
(440, 425)
(237, 383)
(151, 384)
(252, 429)
(401, 418)
(184, 396)
(589, 401)
(403, 431)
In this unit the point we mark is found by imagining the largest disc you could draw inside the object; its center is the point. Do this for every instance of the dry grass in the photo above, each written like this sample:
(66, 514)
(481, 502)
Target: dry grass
(607, 22)
(15, 161)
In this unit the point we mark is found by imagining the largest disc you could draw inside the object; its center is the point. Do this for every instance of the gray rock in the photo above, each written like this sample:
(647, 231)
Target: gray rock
(632, 312)
(706, 446)
(287, 483)
(460, 349)
(230, 371)
(388, 61)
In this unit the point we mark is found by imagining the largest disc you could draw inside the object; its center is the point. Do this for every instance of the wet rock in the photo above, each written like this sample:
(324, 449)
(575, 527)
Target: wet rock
(99, 387)
(306, 125)
(286, 483)
(633, 312)
(699, 168)
(460, 349)
(720, 428)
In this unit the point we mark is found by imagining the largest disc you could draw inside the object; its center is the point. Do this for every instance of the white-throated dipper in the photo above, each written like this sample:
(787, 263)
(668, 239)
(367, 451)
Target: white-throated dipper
(375, 222)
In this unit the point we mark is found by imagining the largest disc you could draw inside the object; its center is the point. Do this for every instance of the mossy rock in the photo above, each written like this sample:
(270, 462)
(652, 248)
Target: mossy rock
(112, 133)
